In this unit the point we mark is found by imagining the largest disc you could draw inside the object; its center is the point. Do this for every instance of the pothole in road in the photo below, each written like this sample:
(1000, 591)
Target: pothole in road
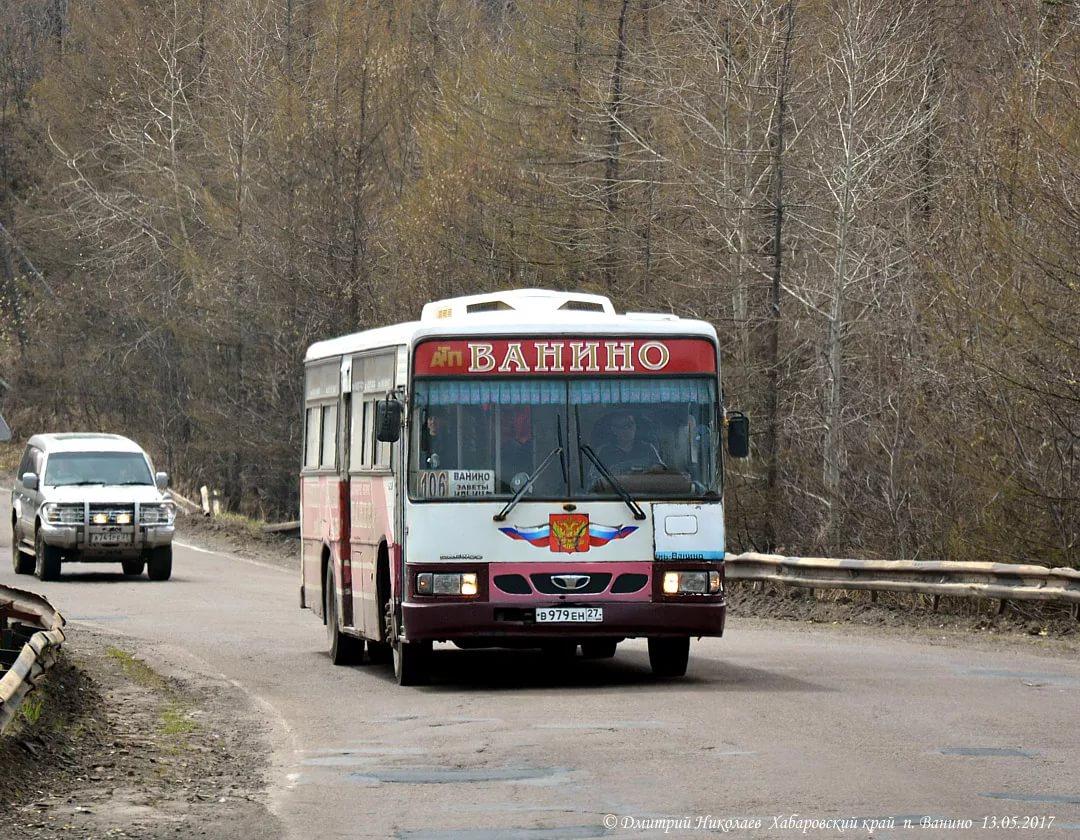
(357, 755)
(570, 832)
(607, 725)
(989, 752)
(1041, 798)
(459, 775)
(1030, 678)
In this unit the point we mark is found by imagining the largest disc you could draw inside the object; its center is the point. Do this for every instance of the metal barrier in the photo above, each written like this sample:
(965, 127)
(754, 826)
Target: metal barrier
(38, 654)
(1004, 581)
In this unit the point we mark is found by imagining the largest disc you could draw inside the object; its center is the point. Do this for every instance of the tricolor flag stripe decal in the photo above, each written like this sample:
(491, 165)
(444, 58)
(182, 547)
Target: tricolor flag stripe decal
(603, 534)
(540, 535)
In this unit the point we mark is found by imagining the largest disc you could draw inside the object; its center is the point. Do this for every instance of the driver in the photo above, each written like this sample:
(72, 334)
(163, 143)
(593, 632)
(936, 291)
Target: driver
(626, 453)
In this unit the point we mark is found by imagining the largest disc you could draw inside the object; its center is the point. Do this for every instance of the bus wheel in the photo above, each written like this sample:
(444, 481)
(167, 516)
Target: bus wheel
(379, 653)
(344, 650)
(559, 650)
(599, 649)
(412, 662)
(668, 656)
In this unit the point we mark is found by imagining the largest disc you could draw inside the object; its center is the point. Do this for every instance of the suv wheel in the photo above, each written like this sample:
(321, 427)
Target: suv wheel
(132, 567)
(159, 563)
(46, 559)
(21, 562)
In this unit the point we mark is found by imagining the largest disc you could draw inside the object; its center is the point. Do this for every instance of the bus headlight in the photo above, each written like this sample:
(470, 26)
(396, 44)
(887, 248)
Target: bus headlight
(691, 583)
(440, 583)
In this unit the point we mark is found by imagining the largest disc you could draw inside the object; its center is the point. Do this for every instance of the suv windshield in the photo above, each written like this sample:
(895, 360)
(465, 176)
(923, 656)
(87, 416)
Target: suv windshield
(65, 469)
(484, 438)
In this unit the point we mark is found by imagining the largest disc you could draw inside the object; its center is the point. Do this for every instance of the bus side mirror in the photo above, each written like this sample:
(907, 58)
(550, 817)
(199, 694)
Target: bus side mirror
(738, 435)
(388, 421)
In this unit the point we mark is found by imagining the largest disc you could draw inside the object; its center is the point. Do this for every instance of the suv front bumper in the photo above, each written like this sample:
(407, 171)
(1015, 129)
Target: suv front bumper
(136, 538)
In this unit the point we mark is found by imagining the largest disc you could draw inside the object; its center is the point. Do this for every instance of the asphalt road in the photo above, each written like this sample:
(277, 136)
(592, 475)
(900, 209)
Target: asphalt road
(774, 720)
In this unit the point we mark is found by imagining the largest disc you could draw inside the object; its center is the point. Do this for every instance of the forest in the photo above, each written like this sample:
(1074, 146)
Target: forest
(876, 203)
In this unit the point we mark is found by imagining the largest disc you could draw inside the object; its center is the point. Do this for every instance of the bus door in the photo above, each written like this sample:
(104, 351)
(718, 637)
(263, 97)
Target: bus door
(372, 486)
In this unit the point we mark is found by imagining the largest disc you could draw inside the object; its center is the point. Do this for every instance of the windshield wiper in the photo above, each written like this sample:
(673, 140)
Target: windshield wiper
(81, 484)
(501, 515)
(132, 483)
(624, 494)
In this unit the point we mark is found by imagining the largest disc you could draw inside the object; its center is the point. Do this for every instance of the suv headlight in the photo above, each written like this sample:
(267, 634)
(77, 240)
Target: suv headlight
(157, 514)
(63, 513)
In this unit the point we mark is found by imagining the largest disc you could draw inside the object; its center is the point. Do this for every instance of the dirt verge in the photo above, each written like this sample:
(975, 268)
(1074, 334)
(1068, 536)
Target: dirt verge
(107, 747)
(239, 536)
(905, 613)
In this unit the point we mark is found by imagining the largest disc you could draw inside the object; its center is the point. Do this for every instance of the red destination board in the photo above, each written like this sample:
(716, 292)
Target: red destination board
(564, 356)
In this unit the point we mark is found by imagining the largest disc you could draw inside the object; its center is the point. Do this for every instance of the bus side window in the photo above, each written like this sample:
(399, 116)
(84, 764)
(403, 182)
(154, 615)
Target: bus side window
(311, 445)
(356, 434)
(328, 448)
(369, 433)
(381, 451)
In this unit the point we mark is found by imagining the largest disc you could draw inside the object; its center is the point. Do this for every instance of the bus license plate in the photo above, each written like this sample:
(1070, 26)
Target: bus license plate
(572, 615)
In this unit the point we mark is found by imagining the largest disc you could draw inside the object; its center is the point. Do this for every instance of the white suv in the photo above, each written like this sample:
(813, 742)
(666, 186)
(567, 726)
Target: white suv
(90, 498)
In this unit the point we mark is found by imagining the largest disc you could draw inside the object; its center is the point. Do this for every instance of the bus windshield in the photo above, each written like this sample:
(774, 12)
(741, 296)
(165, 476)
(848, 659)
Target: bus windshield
(485, 438)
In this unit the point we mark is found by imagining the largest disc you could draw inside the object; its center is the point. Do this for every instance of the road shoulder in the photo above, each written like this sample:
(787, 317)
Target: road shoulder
(109, 747)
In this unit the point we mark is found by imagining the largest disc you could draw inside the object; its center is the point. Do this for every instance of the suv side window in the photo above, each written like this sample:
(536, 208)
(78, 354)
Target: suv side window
(24, 464)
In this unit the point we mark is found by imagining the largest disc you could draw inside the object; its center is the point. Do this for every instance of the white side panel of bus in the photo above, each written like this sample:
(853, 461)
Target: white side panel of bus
(688, 531)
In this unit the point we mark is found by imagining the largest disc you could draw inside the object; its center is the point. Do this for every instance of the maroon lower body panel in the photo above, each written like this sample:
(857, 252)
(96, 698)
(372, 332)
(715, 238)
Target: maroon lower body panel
(445, 621)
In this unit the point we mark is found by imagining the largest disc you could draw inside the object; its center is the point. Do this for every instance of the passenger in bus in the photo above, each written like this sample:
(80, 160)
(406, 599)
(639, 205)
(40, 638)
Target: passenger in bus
(517, 449)
(627, 452)
(437, 449)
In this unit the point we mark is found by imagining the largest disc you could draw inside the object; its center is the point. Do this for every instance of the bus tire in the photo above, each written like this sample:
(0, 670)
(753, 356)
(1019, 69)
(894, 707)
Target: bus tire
(344, 650)
(379, 653)
(412, 662)
(599, 649)
(669, 656)
(559, 650)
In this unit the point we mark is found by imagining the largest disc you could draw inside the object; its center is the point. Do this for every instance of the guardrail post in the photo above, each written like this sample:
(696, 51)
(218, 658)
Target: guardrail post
(204, 496)
(1002, 606)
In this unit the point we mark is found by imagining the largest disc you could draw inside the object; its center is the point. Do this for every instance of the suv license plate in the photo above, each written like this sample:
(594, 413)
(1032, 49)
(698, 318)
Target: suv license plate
(572, 615)
(116, 537)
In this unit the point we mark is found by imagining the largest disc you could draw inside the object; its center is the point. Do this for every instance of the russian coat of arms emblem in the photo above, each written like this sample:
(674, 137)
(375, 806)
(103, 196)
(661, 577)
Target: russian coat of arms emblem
(569, 532)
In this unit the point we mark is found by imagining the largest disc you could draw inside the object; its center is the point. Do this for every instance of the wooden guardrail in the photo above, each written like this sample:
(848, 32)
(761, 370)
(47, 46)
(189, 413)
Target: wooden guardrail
(18, 610)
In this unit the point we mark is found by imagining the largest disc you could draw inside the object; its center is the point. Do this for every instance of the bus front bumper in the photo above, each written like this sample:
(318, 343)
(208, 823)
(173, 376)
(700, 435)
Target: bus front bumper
(447, 621)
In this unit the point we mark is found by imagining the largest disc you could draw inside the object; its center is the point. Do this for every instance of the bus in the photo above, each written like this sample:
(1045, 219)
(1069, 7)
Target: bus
(521, 469)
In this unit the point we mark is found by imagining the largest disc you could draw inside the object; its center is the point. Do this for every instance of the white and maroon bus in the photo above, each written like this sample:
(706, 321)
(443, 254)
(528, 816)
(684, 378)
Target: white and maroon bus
(518, 469)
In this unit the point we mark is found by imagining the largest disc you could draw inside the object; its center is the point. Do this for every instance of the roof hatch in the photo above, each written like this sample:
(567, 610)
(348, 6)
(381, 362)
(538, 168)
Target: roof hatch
(519, 300)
